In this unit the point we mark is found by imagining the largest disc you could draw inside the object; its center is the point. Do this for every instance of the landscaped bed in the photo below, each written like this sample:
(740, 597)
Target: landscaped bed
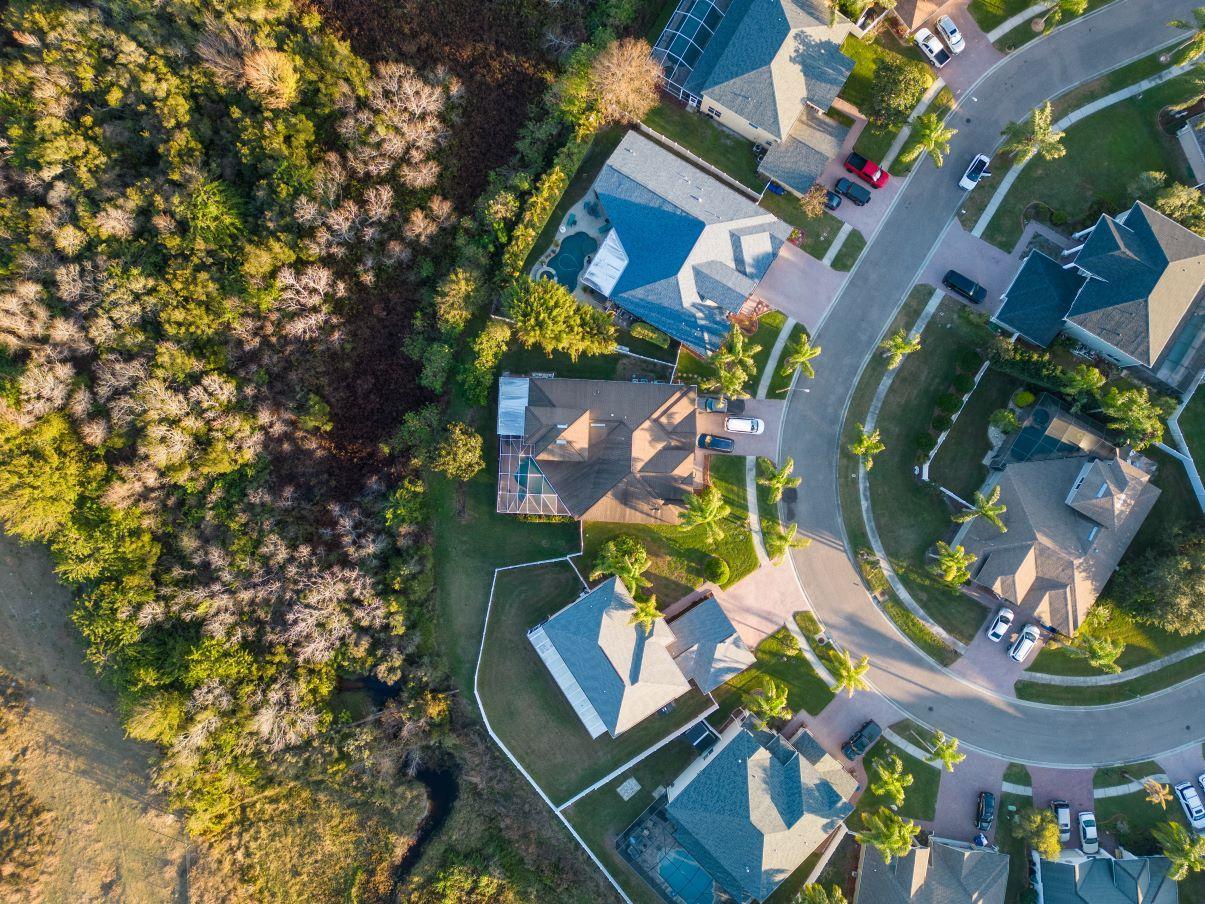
(815, 234)
(527, 709)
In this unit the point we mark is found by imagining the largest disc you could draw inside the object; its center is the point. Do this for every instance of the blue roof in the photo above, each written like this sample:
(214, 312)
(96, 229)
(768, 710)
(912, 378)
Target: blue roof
(1037, 302)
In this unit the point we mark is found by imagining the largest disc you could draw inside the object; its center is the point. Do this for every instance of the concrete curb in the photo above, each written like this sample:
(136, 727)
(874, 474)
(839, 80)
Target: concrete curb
(1119, 677)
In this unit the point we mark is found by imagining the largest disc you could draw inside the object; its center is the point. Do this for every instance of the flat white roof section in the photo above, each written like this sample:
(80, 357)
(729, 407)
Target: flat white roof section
(512, 405)
(568, 684)
(608, 265)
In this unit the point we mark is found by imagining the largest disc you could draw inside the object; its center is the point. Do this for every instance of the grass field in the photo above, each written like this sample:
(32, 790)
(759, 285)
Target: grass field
(780, 382)
(1024, 33)
(528, 710)
(1112, 776)
(778, 658)
(990, 13)
(1018, 861)
(849, 252)
(1111, 693)
(920, 800)
(1131, 819)
(958, 465)
(707, 139)
(874, 141)
(1143, 643)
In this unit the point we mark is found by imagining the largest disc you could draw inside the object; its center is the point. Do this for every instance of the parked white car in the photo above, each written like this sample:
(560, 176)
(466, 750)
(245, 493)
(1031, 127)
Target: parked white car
(1000, 626)
(1089, 841)
(932, 48)
(951, 35)
(1062, 815)
(744, 425)
(1190, 800)
(1024, 644)
(976, 171)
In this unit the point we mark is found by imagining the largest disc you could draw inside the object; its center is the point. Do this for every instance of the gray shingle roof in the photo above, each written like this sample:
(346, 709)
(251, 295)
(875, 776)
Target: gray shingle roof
(626, 673)
(695, 247)
(938, 874)
(1103, 880)
(770, 57)
(707, 647)
(1039, 298)
(798, 160)
(1149, 273)
(754, 812)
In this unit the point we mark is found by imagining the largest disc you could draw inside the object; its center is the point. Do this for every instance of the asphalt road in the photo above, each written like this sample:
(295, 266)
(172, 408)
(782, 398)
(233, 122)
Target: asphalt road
(1025, 732)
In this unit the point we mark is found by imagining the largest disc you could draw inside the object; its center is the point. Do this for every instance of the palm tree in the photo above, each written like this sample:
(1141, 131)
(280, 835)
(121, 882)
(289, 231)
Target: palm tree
(953, 563)
(817, 894)
(782, 538)
(1185, 851)
(987, 506)
(848, 676)
(1101, 652)
(778, 479)
(735, 353)
(769, 701)
(626, 558)
(867, 446)
(1035, 135)
(1069, 8)
(728, 381)
(1157, 793)
(645, 613)
(945, 751)
(898, 346)
(890, 781)
(888, 832)
(1194, 46)
(931, 136)
(706, 510)
(800, 356)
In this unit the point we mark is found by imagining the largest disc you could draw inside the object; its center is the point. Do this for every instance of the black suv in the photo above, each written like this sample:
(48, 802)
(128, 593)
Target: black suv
(964, 286)
(852, 190)
(985, 813)
(861, 740)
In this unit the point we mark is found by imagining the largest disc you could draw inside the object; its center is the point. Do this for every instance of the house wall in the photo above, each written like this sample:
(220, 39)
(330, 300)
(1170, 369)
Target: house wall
(1116, 355)
(735, 122)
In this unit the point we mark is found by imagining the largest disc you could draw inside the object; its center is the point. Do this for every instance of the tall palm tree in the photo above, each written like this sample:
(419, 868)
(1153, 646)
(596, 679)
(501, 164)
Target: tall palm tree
(867, 446)
(898, 346)
(645, 614)
(708, 511)
(888, 832)
(1194, 46)
(848, 676)
(778, 479)
(1157, 793)
(626, 558)
(988, 507)
(727, 380)
(931, 136)
(890, 780)
(945, 751)
(769, 701)
(782, 538)
(817, 894)
(1036, 135)
(800, 356)
(736, 353)
(1185, 851)
(953, 563)
(1101, 652)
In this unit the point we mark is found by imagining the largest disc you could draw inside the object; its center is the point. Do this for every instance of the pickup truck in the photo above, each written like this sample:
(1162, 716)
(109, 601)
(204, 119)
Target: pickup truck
(866, 170)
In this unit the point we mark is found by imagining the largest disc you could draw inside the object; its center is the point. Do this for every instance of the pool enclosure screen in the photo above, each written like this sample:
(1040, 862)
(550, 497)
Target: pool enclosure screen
(685, 38)
(522, 487)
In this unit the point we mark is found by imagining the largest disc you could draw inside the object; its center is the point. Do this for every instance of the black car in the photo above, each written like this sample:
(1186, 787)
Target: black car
(832, 200)
(861, 740)
(714, 443)
(715, 405)
(852, 190)
(985, 813)
(964, 286)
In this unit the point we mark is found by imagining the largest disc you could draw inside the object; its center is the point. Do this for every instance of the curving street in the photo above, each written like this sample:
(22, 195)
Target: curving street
(926, 205)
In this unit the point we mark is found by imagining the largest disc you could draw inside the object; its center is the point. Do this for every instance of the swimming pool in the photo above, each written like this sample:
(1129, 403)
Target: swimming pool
(570, 259)
(689, 881)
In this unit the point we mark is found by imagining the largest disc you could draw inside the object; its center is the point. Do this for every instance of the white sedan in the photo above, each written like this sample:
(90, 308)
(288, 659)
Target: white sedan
(976, 171)
(1000, 626)
(932, 48)
(744, 425)
(953, 37)
(1089, 841)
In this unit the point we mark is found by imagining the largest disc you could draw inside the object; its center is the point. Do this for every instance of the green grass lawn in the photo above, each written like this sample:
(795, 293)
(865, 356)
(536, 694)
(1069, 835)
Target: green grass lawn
(920, 800)
(911, 516)
(1192, 423)
(1143, 643)
(942, 104)
(849, 252)
(816, 235)
(1016, 774)
(1112, 693)
(778, 658)
(707, 139)
(1024, 33)
(693, 369)
(1105, 152)
(528, 710)
(874, 141)
(990, 13)
(1112, 776)
(780, 382)
(958, 465)
(1018, 856)
(1131, 819)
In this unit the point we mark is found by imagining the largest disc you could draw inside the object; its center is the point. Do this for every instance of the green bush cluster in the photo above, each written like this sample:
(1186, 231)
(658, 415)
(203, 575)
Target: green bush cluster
(642, 330)
(716, 570)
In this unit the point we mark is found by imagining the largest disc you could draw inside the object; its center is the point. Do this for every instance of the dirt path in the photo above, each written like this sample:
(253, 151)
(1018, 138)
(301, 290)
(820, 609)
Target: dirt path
(115, 843)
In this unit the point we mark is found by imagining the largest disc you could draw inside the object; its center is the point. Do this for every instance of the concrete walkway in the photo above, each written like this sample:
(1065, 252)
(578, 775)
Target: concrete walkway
(1136, 672)
(1013, 21)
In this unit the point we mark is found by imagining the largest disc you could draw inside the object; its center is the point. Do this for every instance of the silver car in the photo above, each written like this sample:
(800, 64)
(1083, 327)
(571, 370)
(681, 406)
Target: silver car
(1000, 626)
(1024, 644)
(951, 35)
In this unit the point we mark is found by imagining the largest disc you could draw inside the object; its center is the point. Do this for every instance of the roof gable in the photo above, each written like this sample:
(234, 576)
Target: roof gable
(1039, 298)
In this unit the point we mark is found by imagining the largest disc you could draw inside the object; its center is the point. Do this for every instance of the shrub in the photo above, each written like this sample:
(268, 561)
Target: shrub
(650, 334)
(969, 361)
(716, 570)
(1005, 420)
(926, 443)
(963, 383)
(1023, 399)
(942, 422)
(948, 402)
(808, 623)
(872, 571)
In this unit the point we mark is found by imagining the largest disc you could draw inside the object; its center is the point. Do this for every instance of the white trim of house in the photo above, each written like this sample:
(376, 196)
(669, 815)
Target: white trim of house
(566, 682)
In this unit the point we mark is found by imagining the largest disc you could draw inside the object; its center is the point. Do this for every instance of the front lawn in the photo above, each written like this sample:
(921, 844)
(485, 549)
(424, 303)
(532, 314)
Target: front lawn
(958, 465)
(1018, 855)
(920, 800)
(874, 141)
(1112, 776)
(849, 252)
(1018, 37)
(990, 13)
(816, 235)
(1097, 695)
(693, 369)
(526, 707)
(1143, 643)
(1131, 819)
(778, 658)
(706, 138)
(1105, 152)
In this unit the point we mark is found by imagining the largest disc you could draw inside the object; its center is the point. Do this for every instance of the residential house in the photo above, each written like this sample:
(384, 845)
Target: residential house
(1069, 520)
(599, 449)
(706, 646)
(1191, 136)
(1078, 879)
(684, 252)
(915, 13)
(766, 69)
(944, 872)
(753, 808)
(1133, 292)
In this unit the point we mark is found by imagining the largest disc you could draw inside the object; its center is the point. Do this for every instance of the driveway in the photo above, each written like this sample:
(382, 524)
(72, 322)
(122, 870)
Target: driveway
(958, 796)
(764, 443)
(865, 219)
(969, 66)
(761, 603)
(800, 286)
(988, 664)
(981, 261)
(877, 286)
(1071, 785)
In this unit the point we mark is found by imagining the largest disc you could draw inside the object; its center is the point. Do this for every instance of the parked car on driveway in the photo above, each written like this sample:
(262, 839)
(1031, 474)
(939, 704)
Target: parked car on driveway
(866, 170)
(856, 193)
(985, 811)
(1000, 625)
(1089, 841)
(951, 35)
(860, 741)
(1024, 644)
(713, 443)
(1062, 815)
(716, 405)
(1190, 800)
(832, 200)
(932, 48)
(975, 172)
(1201, 781)
(964, 286)
(744, 425)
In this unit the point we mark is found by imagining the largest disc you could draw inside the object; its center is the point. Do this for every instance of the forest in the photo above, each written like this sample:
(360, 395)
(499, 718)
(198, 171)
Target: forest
(247, 248)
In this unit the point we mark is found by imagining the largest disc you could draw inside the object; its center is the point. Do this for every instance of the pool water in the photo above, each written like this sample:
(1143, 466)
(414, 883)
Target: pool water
(570, 259)
(690, 882)
(530, 479)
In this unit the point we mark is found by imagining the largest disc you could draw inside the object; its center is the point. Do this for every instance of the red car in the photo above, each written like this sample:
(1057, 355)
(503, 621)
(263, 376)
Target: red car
(866, 170)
